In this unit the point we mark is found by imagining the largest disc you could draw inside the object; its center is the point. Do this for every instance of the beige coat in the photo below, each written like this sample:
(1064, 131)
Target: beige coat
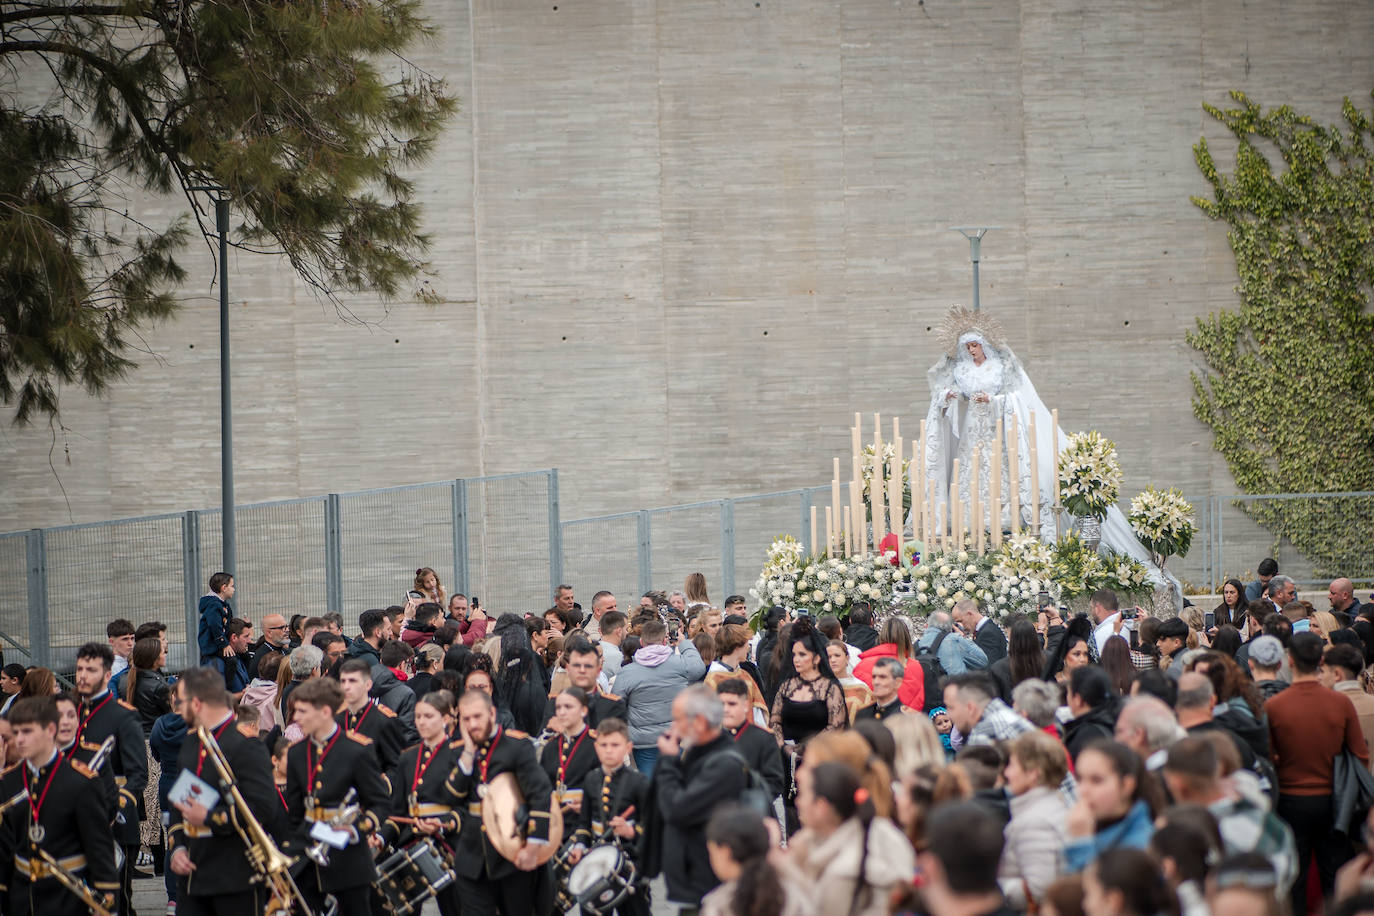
(1364, 708)
(832, 864)
(1034, 837)
(796, 893)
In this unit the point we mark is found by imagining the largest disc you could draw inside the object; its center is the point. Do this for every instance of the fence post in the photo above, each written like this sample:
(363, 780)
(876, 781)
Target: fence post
(458, 501)
(805, 538)
(555, 535)
(333, 553)
(36, 557)
(727, 546)
(645, 552)
(190, 566)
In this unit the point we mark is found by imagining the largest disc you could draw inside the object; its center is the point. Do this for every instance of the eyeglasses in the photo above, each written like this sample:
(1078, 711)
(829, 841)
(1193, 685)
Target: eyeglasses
(282, 627)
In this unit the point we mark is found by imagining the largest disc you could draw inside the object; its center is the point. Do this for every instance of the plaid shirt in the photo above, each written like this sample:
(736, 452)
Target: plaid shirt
(999, 723)
(1142, 661)
(1246, 827)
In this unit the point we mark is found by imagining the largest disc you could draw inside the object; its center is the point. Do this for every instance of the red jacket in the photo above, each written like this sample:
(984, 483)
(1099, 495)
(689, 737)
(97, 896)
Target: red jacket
(912, 693)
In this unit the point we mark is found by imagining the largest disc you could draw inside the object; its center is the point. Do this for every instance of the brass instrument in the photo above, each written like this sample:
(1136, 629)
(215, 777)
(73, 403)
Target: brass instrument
(272, 865)
(318, 852)
(20, 796)
(103, 754)
(73, 884)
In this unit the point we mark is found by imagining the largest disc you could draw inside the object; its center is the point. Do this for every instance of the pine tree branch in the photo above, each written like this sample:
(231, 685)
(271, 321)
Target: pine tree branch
(62, 12)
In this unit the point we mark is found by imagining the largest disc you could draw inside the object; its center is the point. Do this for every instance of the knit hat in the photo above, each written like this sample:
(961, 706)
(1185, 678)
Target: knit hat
(1266, 651)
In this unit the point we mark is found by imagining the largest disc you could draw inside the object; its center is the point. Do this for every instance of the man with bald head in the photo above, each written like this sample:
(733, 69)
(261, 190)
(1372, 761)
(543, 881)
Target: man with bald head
(1195, 704)
(1148, 727)
(275, 638)
(1341, 594)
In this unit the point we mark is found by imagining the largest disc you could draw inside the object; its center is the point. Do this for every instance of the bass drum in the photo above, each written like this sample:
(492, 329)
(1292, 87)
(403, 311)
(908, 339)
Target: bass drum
(602, 878)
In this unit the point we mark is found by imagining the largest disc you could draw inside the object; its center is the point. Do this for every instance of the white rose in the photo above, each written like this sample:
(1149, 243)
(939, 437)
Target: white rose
(865, 589)
(789, 589)
(823, 575)
(944, 570)
(848, 583)
(963, 555)
(922, 585)
(818, 595)
(971, 568)
(949, 602)
(942, 591)
(969, 586)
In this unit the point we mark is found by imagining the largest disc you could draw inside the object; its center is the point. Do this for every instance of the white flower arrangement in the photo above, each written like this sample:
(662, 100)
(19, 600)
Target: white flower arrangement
(1163, 523)
(825, 585)
(1089, 474)
(946, 579)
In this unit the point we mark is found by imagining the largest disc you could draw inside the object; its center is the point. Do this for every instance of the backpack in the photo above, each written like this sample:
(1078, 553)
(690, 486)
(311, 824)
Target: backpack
(933, 671)
(757, 795)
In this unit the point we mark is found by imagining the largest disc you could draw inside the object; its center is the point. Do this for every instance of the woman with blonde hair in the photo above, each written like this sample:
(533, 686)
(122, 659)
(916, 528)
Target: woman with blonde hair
(849, 748)
(708, 621)
(694, 590)
(918, 743)
(1035, 835)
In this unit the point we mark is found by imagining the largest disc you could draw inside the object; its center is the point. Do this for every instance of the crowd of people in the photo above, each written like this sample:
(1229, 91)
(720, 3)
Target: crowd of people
(771, 763)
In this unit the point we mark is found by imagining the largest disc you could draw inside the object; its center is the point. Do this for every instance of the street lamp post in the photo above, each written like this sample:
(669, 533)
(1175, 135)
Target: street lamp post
(974, 234)
(226, 416)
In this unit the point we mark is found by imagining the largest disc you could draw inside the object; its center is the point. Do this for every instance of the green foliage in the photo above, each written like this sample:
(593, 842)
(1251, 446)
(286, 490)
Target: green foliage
(307, 114)
(1289, 391)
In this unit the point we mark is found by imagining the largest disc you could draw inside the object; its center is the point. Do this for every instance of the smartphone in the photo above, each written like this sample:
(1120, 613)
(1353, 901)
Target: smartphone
(1209, 620)
(1130, 613)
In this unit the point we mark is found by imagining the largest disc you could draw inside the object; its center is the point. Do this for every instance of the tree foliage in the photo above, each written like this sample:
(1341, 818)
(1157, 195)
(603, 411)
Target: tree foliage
(306, 114)
(1289, 392)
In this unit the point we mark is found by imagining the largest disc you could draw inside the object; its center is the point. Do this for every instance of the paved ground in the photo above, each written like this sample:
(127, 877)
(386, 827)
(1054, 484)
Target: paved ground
(150, 899)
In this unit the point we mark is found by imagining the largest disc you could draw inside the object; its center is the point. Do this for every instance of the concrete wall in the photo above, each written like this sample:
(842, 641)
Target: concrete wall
(684, 241)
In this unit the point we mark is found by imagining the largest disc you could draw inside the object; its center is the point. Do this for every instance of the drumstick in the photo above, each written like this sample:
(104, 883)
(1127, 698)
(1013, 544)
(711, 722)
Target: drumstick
(628, 811)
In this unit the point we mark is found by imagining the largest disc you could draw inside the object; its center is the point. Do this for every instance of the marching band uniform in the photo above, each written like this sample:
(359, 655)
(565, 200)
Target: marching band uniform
(84, 752)
(417, 791)
(599, 706)
(98, 718)
(567, 761)
(63, 814)
(604, 796)
(221, 883)
(382, 726)
(487, 883)
(318, 777)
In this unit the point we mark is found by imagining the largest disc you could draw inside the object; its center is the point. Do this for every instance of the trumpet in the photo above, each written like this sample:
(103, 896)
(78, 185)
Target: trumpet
(18, 797)
(318, 852)
(73, 884)
(272, 865)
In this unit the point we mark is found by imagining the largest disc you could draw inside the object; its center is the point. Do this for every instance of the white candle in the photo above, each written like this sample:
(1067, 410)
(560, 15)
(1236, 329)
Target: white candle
(848, 534)
(829, 533)
(918, 491)
(956, 508)
(1054, 444)
(1035, 478)
(1014, 472)
(937, 527)
(995, 486)
(877, 485)
(975, 517)
(834, 502)
(814, 544)
(856, 506)
(894, 490)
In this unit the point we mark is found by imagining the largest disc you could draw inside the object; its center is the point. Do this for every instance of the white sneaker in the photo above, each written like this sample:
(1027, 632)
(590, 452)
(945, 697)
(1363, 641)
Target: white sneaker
(171, 908)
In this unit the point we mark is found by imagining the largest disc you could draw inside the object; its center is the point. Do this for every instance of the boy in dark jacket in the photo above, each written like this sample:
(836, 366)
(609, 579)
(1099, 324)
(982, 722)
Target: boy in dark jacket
(213, 633)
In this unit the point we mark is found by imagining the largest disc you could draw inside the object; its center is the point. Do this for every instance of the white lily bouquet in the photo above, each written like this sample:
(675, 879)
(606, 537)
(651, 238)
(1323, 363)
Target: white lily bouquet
(942, 580)
(1089, 474)
(1163, 523)
(825, 585)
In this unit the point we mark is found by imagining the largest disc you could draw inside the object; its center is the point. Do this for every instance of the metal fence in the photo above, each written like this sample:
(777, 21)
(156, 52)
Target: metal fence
(496, 537)
(501, 538)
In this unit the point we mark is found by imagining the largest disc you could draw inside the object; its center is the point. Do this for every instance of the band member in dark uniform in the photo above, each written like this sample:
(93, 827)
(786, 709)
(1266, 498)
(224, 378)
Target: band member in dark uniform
(68, 720)
(54, 806)
(614, 800)
(419, 805)
(570, 754)
(582, 661)
(758, 746)
(102, 715)
(487, 883)
(207, 848)
(364, 715)
(320, 772)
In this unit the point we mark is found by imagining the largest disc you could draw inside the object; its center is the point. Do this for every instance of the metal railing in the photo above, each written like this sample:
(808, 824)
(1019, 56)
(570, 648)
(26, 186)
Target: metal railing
(502, 539)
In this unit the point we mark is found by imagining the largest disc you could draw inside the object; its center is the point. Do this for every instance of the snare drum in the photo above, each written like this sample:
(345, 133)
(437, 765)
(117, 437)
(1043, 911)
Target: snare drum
(602, 878)
(410, 876)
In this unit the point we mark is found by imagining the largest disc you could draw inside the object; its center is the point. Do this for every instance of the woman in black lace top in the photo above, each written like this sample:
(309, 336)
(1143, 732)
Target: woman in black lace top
(810, 699)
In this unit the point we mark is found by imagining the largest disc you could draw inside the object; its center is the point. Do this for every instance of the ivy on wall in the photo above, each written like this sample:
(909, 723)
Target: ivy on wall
(1289, 386)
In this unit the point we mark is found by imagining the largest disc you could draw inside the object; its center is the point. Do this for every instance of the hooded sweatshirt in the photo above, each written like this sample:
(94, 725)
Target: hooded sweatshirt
(649, 685)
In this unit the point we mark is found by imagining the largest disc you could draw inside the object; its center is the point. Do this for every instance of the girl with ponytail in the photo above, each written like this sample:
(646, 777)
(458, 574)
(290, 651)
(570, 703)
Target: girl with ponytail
(854, 858)
(751, 885)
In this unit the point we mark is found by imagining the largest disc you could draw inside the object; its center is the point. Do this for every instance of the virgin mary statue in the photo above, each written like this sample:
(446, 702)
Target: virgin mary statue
(977, 381)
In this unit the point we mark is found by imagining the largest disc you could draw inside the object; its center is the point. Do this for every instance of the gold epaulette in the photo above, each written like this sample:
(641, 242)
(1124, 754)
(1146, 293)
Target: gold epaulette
(83, 769)
(386, 711)
(517, 733)
(129, 706)
(359, 737)
(610, 696)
